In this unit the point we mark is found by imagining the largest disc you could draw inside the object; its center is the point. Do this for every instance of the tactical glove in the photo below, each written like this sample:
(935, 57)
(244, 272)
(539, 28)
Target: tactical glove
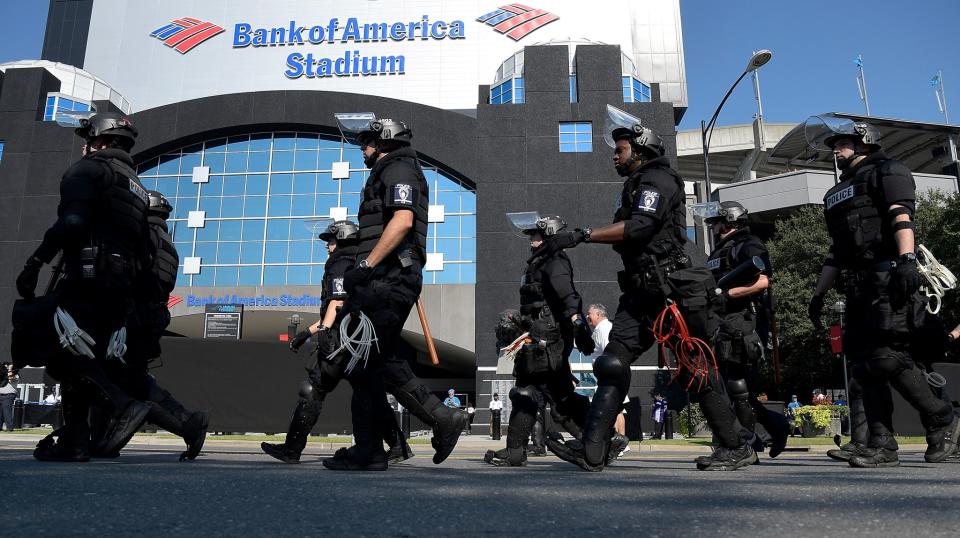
(906, 276)
(27, 279)
(815, 311)
(301, 338)
(583, 338)
(355, 277)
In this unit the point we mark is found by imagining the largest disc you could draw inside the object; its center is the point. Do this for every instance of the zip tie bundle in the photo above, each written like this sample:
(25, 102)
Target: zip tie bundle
(939, 278)
(117, 347)
(358, 343)
(692, 354)
(934, 379)
(72, 338)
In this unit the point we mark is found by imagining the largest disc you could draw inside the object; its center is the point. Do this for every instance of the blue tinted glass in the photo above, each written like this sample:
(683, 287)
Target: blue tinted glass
(184, 248)
(148, 183)
(305, 160)
(301, 230)
(209, 231)
(282, 161)
(276, 252)
(518, 97)
(355, 184)
(218, 145)
(51, 100)
(227, 276)
(230, 230)
(167, 187)
(249, 276)
(231, 207)
(449, 200)
(206, 251)
(260, 142)
(468, 226)
(567, 148)
(258, 162)
(251, 252)
(279, 206)
(186, 187)
(211, 205)
(299, 252)
(169, 165)
(256, 184)
(299, 274)
(213, 187)
(172, 228)
(284, 141)
(183, 206)
(304, 183)
(449, 275)
(215, 161)
(278, 229)
(236, 162)
(302, 206)
(316, 275)
(319, 249)
(307, 141)
(627, 95)
(450, 249)
(182, 279)
(188, 162)
(508, 96)
(196, 148)
(468, 273)
(233, 185)
(354, 156)
(468, 202)
(583, 138)
(327, 158)
(254, 206)
(566, 138)
(450, 227)
(324, 203)
(238, 143)
(468, 250)
(691, 233)
(281, 183)
(205, 278)
(274, 276)
(228, 252)
(252, 230)
(148, 168)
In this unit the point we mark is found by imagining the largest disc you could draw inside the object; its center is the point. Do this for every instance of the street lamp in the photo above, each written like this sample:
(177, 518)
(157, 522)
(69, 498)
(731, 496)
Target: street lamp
(706, 129)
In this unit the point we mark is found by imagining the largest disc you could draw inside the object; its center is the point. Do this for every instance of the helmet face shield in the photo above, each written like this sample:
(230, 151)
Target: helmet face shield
(618, 119)
(823, 131)
(73, 119)
(351, 124)
(524, 223)
(706, 211)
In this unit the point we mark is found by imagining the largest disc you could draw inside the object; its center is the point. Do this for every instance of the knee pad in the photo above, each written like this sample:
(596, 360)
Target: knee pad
(888, 364)
(738, 390)
(306, 391)
(611, 368)
(525, 398)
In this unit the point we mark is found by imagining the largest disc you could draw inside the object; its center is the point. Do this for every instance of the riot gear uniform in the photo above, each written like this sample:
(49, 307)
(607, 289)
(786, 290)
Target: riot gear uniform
(548, 300)
(385, 294)
(102, 231)
(737, 346)
(659, 265)
(325, 377)
(884, 305)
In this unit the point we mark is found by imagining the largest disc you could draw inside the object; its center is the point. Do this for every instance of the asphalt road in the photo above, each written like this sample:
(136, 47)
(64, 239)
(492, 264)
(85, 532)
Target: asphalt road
(234, 491)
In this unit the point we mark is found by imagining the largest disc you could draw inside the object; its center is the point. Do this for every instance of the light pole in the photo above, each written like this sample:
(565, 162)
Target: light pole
(706, 128)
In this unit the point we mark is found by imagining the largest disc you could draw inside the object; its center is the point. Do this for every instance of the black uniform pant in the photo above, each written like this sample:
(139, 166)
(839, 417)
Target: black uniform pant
(877, 339)
(529, 399)
(495, 424)
(632, 335)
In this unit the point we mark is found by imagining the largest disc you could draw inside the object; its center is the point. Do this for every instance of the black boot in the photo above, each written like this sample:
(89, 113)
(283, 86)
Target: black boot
(729, 459)
(506, 457)
(572, 452)
(875, 457)
(345, 460)
(942, 442)
(617, 444)
(280, 452)
(447, 423)
(400, 452)
(847, 451)
(54, 447)
(194, 434)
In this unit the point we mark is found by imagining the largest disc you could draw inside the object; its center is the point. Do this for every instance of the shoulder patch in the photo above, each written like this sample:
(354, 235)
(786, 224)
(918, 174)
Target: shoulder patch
(403, 194)
(338, 286)
(649, 201)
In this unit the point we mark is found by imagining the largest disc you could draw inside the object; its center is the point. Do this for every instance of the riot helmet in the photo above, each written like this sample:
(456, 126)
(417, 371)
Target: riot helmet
(644, 143)
(159, 205)
(727, 212)
(342, 230)
(385, 129)
(530, 222)
(823, 131)
(108, 124)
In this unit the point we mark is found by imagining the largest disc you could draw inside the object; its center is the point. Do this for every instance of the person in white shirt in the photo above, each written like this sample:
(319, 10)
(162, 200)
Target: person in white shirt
(597, 318)
(496, 409)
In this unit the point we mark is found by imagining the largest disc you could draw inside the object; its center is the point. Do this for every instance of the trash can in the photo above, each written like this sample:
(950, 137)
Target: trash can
(18, 414)
(668, 422)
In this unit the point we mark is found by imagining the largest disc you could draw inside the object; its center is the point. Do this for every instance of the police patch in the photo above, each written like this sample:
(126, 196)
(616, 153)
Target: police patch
(714, 264)
(839, 196)
(648, 201)
(139, 191)
(338, 286)
(402, 194)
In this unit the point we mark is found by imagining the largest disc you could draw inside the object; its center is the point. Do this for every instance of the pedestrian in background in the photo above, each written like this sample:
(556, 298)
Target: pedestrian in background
(496, 409)
(8, 393)
(659, 413)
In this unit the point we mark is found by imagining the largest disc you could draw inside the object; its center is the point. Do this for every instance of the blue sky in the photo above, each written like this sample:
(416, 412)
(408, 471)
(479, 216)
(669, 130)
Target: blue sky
(814, 43)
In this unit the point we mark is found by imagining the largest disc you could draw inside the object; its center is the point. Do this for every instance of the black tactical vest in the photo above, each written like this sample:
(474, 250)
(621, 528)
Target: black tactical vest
(855, 217)
(726, 257)
(165, 259)
(121, 223)
(333, 280)
(671, 236)
(532, 301)
(373, 214)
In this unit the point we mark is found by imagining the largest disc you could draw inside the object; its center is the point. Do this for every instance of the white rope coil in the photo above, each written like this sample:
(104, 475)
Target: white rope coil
(72, 337)
(117, 347)
(939, 278)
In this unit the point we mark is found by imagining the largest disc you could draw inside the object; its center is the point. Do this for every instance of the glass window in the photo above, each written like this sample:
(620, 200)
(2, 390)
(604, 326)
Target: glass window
(216, 146)
(258, 162)
(279, 206)
(167, 187)
(236, 162)
(213, 187)
(354, 184)
(518, 91)
(169, 165)
(251, 252)
(148, 168)
(189, 161)
(256, 184)
(216, 162)
(184, 248)
(228, 252)
(183, 206)
(308, 141)
(305, 160)
(205, 278)
(227, 276)
(324, 202)
(576, 137)
(284, 141)
(254, 206)
(238, 143)
(231, 207)
(298, 275)
(316, 275)
(182, 280)
(230, 230)
(207, 251)
(210, 204)
(299, 252)
(276, 252)
(282, 161)
(281, 183)
(249, 276)
(302, 206)
(233, 185)
(328, 157)
(274, 275)
(209, 232)
(252, 230)
(260, 142)
(278, 229)
(304, 183)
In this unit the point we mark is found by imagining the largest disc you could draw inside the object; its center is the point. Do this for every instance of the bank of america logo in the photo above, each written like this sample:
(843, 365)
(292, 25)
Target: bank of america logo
(174, 301)
(517, 21)
(186, 33)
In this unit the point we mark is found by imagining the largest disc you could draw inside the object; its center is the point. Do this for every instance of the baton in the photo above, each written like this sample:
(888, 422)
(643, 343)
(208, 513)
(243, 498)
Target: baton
(432, 349)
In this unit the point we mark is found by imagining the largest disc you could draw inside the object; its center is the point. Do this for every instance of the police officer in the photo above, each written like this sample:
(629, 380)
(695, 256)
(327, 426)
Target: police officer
(143, 337)
(737, 346)
(101, 228)
(384, 286)
(552, 312)
(341, 239)
(649, 233)
(869, 216)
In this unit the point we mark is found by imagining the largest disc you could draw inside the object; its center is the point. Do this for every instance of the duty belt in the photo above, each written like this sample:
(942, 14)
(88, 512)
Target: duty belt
(854, 278)
(648, 273)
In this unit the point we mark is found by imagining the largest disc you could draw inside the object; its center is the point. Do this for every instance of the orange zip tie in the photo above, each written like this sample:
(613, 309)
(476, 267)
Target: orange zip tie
(692, 354)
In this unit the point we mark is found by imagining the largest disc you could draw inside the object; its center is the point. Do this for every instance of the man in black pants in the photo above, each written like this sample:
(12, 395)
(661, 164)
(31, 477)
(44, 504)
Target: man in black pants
(738, 347)
(341, 239)
(869, 216)
(102, 230)
(552, 312)
(384, 286)
(649, 233)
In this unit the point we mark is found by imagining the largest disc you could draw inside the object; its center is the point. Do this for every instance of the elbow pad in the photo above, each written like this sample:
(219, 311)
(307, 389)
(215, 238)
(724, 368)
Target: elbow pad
(639, 229)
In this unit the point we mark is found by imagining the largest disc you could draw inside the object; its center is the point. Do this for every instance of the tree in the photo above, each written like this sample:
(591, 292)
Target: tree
(938, 228)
